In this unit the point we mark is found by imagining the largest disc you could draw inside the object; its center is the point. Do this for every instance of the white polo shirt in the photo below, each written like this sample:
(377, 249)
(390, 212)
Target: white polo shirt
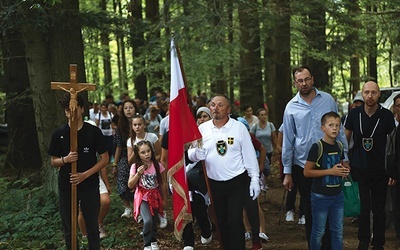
(229, 151)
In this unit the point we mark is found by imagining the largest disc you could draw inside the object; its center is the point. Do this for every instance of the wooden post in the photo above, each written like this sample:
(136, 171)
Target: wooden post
(73, 87)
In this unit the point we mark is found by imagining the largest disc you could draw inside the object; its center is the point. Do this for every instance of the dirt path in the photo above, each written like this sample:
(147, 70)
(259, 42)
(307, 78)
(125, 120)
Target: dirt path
(290, 235)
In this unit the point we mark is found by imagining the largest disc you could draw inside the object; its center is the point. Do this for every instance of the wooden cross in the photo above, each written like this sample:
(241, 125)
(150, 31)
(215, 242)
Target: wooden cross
(73, 87)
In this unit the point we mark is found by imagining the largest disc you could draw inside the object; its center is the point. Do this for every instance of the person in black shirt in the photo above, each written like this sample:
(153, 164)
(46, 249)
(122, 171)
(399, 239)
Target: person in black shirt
(91, 143)
(369, 125)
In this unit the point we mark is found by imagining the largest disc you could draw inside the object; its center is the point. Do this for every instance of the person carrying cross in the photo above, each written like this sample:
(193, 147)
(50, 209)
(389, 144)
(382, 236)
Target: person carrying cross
(91, 143)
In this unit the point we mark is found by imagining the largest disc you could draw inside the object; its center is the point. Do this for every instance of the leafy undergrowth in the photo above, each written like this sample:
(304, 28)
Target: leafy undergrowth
(29, 219)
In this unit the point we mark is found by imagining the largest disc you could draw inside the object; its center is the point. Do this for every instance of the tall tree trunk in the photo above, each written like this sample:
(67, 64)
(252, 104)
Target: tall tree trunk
(220, 81)
(372, 68)
(250, 56)
(47, 113)
(94, 72)
(153, 37)
(121, 55)
(353, 38)
(279, 84)
(21, 124)
(316, 39)
(50, 62)
(231, 61)
(105, 49)
(137, 42)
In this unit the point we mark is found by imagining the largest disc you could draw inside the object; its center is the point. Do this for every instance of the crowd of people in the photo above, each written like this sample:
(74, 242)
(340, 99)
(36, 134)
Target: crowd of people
(315, 148)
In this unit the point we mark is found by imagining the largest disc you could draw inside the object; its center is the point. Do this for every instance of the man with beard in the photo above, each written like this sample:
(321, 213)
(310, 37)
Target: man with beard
(302, 128)
(369, 124)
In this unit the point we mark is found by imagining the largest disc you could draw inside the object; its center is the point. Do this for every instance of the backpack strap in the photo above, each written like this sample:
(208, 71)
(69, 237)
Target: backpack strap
(340, 144)
(320, 151)
(255, 131)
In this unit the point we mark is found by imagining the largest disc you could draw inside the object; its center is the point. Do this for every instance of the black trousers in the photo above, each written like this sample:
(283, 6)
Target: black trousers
(199, 211)
(395, 197)
(373, 191)
(229, 198)
(89, 202)
(251, 207)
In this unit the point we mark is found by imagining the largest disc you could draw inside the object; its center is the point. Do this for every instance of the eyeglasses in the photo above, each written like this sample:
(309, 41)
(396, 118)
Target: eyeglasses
(306, 80)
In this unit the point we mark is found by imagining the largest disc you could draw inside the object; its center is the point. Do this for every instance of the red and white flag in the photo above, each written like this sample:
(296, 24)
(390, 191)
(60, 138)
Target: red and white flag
(182, 129)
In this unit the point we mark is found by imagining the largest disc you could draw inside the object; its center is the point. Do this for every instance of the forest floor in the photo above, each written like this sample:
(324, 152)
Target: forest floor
(282, 234)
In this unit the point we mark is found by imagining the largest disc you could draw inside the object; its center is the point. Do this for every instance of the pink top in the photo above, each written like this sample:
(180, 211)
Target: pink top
(148, 181)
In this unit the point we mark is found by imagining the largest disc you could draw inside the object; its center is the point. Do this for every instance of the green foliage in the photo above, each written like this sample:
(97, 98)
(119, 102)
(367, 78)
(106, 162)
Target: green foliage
(29, 217)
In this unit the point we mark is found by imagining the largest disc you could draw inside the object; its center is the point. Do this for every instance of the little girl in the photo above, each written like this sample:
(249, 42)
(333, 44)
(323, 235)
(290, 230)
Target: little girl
(137, 134)
(149, 177)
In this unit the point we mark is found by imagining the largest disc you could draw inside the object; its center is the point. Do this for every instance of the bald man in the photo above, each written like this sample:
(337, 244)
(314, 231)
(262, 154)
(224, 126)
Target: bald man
(369, 124)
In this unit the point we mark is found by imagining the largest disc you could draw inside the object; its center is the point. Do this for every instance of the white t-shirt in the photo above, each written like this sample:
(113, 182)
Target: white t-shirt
(148, 137)
(164, 125)
(93, 115)
(105, 123)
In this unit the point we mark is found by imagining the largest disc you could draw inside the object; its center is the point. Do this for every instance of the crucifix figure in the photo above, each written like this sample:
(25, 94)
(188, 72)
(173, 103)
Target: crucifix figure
(64, 159)
(73, 104)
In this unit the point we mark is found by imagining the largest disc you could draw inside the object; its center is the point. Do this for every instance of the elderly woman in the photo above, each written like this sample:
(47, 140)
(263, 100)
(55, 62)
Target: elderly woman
(203, 114)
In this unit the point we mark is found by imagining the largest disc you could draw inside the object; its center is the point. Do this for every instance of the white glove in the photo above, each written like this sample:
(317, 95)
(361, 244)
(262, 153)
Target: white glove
(254, 188)
(197, 154)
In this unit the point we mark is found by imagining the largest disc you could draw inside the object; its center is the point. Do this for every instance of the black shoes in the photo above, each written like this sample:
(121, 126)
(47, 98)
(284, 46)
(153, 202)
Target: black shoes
(363, 245)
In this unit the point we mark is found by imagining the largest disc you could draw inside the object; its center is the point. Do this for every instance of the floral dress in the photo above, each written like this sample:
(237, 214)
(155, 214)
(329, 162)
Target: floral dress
(123, 168)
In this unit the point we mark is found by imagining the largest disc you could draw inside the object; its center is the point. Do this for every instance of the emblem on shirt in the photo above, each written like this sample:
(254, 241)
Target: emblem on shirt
(221, 147)
(85, 150)
(230, 140)
(367, 143)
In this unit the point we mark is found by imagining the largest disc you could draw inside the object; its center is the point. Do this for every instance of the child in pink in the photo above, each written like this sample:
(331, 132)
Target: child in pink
(148, 177)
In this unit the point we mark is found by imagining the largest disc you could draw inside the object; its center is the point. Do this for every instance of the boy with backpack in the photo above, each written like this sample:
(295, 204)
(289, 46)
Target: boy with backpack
(327, 201)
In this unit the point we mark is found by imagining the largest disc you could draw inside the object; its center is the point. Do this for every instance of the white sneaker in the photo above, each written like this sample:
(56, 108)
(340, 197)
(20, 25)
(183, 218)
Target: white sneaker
(247, 236)
(147, 248)
(154, 246)
(127, 213)
(302, 220)
(263, 236)
(139, 218)
(205, 241)
(103, 233)
(163, 220)
(290, 215)
(188, 248)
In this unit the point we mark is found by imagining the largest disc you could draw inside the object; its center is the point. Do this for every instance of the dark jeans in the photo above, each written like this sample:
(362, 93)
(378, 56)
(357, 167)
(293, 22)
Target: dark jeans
(373, 190)
(229, 197)
(304, 187)
(89, 202)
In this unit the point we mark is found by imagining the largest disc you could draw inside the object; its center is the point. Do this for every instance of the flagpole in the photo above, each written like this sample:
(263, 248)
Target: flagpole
(211, 206)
